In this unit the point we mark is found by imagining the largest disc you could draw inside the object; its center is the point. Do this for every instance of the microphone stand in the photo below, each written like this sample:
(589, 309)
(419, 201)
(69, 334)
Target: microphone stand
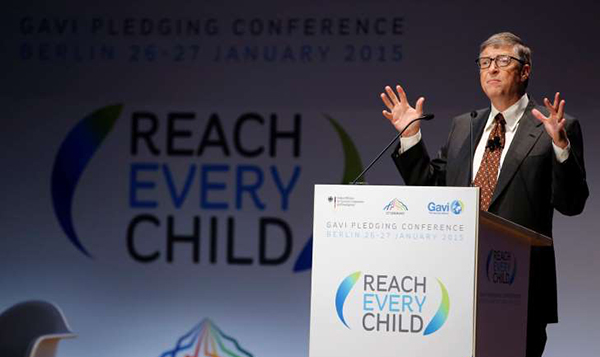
(422, 117)
(471, 152)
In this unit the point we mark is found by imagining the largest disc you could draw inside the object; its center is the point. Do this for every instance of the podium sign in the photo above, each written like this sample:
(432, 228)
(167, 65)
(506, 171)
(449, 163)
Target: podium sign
(393, 271)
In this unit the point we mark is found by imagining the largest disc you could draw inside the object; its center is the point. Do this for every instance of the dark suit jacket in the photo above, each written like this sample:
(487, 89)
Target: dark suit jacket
(531, 185)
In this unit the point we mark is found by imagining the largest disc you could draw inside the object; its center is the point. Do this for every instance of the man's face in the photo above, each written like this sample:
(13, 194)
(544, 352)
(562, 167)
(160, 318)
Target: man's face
(503, 82)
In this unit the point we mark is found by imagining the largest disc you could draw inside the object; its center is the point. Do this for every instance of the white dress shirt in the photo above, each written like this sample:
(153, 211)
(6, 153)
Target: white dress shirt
(513, 116)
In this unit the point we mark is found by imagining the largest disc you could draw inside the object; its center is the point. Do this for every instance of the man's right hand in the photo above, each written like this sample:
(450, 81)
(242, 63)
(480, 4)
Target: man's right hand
(400, 112)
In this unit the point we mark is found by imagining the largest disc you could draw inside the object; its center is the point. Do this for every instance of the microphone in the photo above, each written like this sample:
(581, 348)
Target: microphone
(471, 153)
(422, 117)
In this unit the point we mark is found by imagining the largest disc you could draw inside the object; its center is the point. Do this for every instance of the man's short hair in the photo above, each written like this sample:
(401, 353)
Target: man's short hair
(508, 39)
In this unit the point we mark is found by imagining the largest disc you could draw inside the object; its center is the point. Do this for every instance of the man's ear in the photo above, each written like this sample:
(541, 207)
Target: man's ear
(525, 71)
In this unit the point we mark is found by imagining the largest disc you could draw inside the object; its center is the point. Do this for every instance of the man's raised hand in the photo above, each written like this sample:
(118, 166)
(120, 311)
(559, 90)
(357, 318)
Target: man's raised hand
(554, 123)
(399, 112)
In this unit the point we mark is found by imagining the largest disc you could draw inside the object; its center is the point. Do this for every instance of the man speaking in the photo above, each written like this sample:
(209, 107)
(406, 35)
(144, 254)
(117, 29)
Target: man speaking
(526, 159)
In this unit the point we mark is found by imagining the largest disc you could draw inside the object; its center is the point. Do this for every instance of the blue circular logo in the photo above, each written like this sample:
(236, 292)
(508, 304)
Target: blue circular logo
(457, 206)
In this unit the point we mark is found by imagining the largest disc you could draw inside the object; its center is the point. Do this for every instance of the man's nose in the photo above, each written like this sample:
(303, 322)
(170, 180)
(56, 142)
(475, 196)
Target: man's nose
(493, 67)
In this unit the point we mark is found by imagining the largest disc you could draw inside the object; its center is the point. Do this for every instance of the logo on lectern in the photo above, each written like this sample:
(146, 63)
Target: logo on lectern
(342, 293)
(455, 207)
(390, 303)
(501, 267)
(395, 206)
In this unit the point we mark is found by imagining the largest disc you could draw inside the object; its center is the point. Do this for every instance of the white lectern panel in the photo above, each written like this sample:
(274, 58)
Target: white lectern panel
(393, 271)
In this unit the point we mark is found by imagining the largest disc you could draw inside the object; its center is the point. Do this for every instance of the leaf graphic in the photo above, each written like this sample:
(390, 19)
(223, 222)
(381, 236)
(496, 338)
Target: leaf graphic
(74, 154)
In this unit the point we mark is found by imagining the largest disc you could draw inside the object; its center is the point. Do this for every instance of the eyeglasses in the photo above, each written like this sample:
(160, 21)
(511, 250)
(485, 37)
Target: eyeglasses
(500, 60)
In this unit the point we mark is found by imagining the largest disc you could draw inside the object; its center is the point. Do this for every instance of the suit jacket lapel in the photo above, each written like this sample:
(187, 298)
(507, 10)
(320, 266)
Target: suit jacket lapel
(528, 133)
(478, 127)
(462, 176)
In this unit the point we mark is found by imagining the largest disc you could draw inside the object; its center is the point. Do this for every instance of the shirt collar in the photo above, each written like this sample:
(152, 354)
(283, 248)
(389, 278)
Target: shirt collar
(512, 115)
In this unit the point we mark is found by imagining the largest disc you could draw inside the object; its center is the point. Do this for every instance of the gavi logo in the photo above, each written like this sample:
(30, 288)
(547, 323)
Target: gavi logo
(455, 207)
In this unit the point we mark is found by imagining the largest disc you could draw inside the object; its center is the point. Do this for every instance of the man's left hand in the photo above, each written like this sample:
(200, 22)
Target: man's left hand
(555, 121)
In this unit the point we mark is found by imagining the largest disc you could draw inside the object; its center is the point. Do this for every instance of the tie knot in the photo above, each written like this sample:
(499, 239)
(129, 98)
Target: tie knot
(500, 119)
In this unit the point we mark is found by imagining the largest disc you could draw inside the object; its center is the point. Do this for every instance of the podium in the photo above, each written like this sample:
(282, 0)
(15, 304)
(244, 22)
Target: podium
(416, 271)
